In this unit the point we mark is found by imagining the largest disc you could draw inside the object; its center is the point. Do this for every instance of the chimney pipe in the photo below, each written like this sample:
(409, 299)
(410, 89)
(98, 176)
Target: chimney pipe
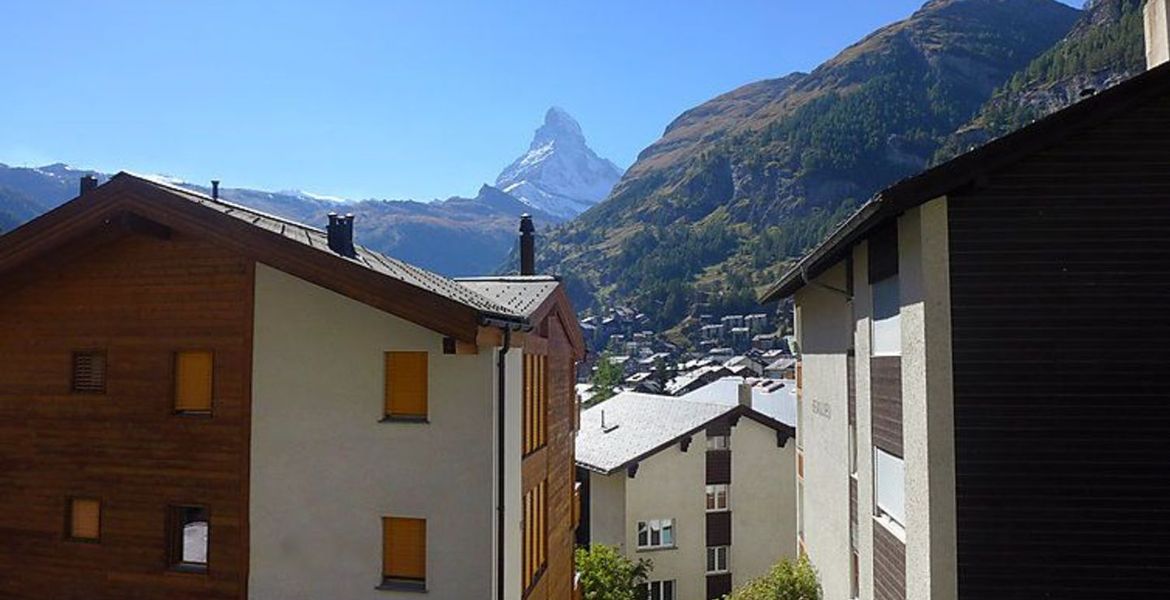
(745, 394)
(88, 183)
(215, 189)
(527, 246)
(340, 234)
(1157, 32)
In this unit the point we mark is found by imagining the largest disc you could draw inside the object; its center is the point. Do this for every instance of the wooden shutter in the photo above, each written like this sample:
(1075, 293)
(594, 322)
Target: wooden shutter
(535, 396)
(404, 548)
(89, 372)
(85, 518)
(406, 384)
(193, 380)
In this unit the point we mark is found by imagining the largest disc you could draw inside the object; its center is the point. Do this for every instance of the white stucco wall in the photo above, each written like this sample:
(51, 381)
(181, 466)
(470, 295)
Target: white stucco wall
(324, 470)
(927, 403)
(607, 509)
(825, 329)
(763, 500)
(672, 484)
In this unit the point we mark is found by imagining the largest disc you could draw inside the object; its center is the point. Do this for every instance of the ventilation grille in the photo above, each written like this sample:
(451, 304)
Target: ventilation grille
(89, 372)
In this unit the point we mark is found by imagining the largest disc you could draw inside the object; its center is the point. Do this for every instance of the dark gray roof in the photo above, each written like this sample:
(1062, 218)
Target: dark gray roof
(374, 261)
(520, 294)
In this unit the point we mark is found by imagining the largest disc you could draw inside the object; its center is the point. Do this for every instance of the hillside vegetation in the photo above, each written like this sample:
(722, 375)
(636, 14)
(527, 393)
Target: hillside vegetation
(754, 177)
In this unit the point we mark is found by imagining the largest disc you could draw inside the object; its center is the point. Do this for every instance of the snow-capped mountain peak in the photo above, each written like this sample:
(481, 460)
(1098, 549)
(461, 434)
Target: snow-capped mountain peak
(559, 174)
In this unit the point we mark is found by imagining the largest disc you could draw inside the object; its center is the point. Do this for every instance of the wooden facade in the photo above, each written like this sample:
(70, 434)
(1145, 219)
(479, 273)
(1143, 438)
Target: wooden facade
(126, 278)
(139, 300)
(553, 463)
(1060, 270)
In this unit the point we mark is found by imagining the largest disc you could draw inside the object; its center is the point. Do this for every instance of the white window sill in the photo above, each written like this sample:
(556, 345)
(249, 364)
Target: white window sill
(896, 529)
(655, 548)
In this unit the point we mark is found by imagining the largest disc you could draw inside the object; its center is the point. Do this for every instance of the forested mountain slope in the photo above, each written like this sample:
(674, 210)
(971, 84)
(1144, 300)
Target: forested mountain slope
(739, 183)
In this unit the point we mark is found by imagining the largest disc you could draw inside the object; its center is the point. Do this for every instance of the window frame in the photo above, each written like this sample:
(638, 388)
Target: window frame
(888, 328)
(176, 540)
(884, 515)
(716, 552)
(388, 416)
(105, 380)
(391, 582)
(662, 527)
(69, 519)
(662, 584)
(713, 492)
(210, 410)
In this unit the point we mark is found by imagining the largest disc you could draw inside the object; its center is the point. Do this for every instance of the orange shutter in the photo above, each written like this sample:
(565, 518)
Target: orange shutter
(404, 548)
(406, 384)
(85, 519)
(193, 380)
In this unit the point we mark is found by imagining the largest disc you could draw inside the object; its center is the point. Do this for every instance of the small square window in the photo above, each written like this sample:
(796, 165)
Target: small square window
(404, 553)
(189, 534)
(716, 559)
(717, 497)
(85, 519)
(194, 379)
(89, 372)
(718, 442)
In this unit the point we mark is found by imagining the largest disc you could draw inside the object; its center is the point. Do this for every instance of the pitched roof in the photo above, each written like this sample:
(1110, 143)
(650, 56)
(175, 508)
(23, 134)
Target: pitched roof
(636, 424)
(130, 203)
(967, 169)
(520, 294)
(317, 239)
(641, 425)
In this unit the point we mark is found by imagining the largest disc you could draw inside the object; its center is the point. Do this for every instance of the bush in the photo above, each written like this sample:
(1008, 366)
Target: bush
(786, 581)
(608, 575)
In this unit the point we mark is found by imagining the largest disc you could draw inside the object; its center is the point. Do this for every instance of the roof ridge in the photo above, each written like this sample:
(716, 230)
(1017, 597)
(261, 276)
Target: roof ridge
(485, 304)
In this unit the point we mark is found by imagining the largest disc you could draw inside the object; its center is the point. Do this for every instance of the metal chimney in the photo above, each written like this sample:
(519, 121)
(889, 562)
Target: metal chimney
(340, 233)
(88, 183)
(215, 189)
(527, 245)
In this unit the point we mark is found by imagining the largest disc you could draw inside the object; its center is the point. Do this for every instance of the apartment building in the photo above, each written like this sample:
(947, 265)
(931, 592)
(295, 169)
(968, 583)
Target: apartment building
(982, 402)
(201, 401)
(679, 482)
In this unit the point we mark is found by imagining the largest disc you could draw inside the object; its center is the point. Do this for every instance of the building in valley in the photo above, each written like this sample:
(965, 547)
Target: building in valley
(201, 401)
(955, 437)
(679, 482)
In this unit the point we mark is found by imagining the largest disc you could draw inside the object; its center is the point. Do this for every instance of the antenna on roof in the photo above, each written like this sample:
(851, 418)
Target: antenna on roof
(215, 189)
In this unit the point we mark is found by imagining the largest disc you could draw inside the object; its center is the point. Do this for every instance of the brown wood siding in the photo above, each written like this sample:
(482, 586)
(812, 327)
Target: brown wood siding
(889, 565)
(719, 528)
(1060, 275)
(140, 299)
(718, 466)
(555, 462)
(886, 393)
(718, 586)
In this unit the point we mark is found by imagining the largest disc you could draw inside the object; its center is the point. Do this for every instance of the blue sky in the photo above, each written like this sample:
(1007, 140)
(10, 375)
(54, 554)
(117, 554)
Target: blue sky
(385, 99)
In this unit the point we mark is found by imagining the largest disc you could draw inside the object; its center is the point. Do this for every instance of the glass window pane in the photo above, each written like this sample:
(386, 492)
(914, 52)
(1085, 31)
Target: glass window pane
(887, 329)
(668, 533)
(710, 559)
(889, 485)
(655, 533)
(194, 529)
(668, 590)
(643, 538)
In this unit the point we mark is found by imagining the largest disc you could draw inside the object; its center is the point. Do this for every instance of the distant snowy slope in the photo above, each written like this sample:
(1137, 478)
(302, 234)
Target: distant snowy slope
(559, 174)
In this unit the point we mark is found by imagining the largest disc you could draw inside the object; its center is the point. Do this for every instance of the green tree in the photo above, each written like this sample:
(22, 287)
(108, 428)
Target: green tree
(663, 372)
(606, 379)
(786, 581)
(607, 575)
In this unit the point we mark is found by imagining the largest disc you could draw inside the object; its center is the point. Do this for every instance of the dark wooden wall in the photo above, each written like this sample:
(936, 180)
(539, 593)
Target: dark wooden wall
(886, 402)
(556, 461)
(140, 299)
(889, 565)
(1060, 276)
